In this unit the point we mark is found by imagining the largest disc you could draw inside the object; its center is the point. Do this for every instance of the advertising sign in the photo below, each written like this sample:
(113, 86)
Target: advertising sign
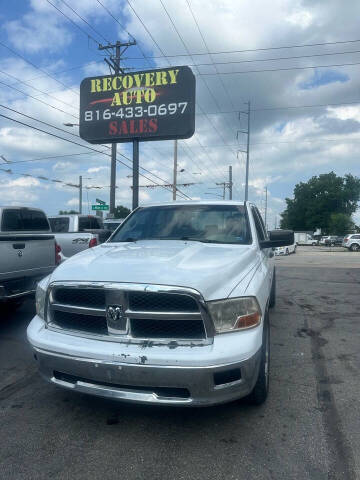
(148, 105)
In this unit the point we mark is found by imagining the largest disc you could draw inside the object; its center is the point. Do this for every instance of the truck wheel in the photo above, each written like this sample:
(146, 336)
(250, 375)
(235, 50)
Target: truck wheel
(287, 251)
(354, 247)
(313, 244)
(261, 389)
(272, 299)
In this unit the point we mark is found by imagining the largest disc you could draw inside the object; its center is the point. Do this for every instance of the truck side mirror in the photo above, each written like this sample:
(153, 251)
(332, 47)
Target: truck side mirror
(278, 238)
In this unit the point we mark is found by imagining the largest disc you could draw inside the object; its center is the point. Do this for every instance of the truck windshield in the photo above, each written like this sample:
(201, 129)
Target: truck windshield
(203, 223)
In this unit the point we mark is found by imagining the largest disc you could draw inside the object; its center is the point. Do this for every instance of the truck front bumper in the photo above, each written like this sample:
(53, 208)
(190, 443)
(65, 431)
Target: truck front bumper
(152, 374)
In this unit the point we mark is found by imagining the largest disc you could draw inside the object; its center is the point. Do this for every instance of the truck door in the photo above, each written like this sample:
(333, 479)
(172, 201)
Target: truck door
(266, 253)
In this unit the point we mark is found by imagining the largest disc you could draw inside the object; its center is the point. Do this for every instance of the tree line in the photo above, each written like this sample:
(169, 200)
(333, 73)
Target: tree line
(326, 201)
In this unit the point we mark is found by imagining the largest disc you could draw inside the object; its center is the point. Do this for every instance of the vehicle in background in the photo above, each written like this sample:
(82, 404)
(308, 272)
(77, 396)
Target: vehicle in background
(303, 238)
(352, 242)
(286, 250)
(77, 232)
(172, 310)
(333, 240)
(112, 223)
(323, 240)
(28, 252)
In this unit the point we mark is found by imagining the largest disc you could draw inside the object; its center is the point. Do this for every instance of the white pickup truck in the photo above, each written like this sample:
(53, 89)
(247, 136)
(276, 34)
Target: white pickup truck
(75, 233)
(173, 309)
(28, 252)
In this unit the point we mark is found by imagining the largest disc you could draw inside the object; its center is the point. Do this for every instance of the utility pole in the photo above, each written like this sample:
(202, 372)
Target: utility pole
(265, 207)
(114, 63)
(247, 156)
(230, 182)
(175, 170)
(80, 194)
(247, 151)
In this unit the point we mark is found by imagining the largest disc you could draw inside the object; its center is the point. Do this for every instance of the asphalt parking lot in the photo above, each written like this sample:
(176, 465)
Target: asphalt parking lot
(308, 429)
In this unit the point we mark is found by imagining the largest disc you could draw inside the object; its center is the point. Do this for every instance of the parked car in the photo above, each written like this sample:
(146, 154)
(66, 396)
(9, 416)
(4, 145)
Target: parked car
(28, 252)
(323, 239)
(111, 224)
(286, 250)
(172, 310)
(75, 233)
(352, 242)
(333, 240)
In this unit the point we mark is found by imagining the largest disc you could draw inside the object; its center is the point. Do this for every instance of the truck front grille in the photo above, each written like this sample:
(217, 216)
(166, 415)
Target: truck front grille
(188, 329)
(82, 323)
(125, 313)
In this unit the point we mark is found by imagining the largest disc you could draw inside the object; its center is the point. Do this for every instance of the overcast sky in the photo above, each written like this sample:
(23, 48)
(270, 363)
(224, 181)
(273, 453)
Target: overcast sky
(44, 55)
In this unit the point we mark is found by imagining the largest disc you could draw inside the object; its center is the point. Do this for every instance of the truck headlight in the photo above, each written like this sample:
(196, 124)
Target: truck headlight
(235, 314)
(41, 295)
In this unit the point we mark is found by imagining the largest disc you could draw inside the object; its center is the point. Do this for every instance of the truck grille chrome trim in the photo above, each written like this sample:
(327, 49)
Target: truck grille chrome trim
(129, 312)
(77, 309)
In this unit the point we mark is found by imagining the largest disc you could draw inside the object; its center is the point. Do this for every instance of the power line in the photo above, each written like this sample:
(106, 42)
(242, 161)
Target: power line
(74, 23)
(149, 33)
(223, 52)
(120, 24)
(14, 52)
(53, 157)
(79, 144)
(285, 107)
(85, 21)
(205, 83)
(38, 99)
(37, 89)
(116, 20)
(231, 62)
(283, 69)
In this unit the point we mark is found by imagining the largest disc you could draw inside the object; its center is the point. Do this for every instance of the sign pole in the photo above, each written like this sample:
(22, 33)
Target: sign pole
(135, 189)
(175, 170)
(113, 145)
(80, 194)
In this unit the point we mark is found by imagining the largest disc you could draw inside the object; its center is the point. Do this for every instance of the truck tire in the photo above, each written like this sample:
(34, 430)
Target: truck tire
(287, 252)
(272, 299)
(261, 388)
(354, 247)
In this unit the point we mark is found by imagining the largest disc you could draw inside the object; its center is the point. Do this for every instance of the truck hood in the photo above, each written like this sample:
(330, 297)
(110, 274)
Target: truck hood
(212, 269)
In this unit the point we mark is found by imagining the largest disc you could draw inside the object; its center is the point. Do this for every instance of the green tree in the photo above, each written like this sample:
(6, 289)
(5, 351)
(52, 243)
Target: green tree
(67, 212)
(316, 200)
(340, 223)
(121, 212)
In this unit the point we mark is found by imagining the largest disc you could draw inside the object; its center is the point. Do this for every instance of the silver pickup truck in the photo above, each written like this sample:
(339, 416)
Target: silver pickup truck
(172, 310)
(75, 233)
(28, 252)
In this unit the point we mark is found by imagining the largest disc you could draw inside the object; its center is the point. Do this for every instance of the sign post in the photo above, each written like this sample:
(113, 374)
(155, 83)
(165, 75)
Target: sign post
(138, 106)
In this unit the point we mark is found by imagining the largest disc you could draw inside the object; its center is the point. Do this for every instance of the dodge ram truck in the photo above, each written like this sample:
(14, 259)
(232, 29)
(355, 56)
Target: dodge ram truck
(173, 309)
(28, 252)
